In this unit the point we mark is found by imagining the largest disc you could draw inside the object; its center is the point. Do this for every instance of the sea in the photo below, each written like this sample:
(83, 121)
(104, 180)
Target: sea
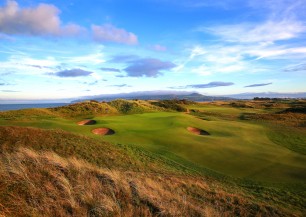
(8, 107)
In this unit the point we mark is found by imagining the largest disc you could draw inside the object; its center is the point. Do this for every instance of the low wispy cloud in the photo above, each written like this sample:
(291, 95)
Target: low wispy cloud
(5, 84)
(120, 85)
(110, 69)
(211, 84)
(267, 32)
(121, 76)
(207, 85)
(258, 85)
(91, 83)
(300, 67)
(40, 20)
(10, 91)
(72, 73)
(110, 33)
(148, 67)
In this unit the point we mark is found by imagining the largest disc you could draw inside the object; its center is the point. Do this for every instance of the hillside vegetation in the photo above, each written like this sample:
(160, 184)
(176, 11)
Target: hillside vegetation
(93, 108)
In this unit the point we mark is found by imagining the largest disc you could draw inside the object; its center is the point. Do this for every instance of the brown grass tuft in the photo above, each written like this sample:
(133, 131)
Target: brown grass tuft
(45, 184)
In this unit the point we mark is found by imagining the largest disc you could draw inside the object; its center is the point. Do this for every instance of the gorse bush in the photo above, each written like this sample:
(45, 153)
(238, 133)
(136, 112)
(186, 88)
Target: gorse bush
(126, 107)
(175, 105)
(83, 109)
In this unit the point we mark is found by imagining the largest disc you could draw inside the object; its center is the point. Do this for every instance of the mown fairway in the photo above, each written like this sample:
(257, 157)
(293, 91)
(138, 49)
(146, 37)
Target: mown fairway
(234, 148)
(240, 149)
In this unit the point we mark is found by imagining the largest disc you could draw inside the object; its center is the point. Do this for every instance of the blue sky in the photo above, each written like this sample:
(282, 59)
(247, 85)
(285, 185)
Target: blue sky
(66, 49)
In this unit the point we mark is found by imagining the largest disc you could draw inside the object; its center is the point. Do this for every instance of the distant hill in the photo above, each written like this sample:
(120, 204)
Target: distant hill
(267, 94)
(155, 95)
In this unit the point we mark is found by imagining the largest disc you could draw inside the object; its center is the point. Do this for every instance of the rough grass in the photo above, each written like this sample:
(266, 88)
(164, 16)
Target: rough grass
(87, 109)
(95, 152)
(73, 187)
(84, 109)
(27, 114)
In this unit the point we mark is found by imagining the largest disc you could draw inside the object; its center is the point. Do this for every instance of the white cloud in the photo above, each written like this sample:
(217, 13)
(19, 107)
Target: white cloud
(241, 47)
(44, 20)
(197, 51)
(278, 52)
(41, 20)
(267, 32)
(110, 33)
(202, 70)
(94, 59)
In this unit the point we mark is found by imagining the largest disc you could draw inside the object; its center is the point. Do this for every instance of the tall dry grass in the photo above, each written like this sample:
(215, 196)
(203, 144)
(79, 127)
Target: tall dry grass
(44, 184)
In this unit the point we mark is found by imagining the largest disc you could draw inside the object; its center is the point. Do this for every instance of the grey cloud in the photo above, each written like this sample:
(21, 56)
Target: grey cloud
(110, 69)
(208, 85)
(258, 85)
(120, 85)
(301, 67)
(121, 76)
(37, 66)
(124, 58)
(148, 67)
(110, 33)
(10, 91)
(91, 83)
(211, 84)
(41, 20)
(5, 84)
(6, 73)
(72, 73)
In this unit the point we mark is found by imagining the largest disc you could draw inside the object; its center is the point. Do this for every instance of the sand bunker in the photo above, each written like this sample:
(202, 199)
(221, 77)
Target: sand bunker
(87, 122)
(197, 131)
(103, 131)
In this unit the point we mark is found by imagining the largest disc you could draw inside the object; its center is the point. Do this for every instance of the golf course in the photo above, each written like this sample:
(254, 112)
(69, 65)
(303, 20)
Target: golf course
(230, 142)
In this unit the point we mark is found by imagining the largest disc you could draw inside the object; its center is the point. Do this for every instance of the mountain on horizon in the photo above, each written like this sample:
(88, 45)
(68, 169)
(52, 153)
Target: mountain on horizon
(251, 95)
(155, 95)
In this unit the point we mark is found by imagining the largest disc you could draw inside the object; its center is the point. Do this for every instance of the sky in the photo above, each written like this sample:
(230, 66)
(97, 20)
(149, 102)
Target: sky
(57, 50)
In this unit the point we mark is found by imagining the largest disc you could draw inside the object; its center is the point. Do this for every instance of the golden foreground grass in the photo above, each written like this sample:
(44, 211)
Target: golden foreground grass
(44, 184)
(35, 181)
